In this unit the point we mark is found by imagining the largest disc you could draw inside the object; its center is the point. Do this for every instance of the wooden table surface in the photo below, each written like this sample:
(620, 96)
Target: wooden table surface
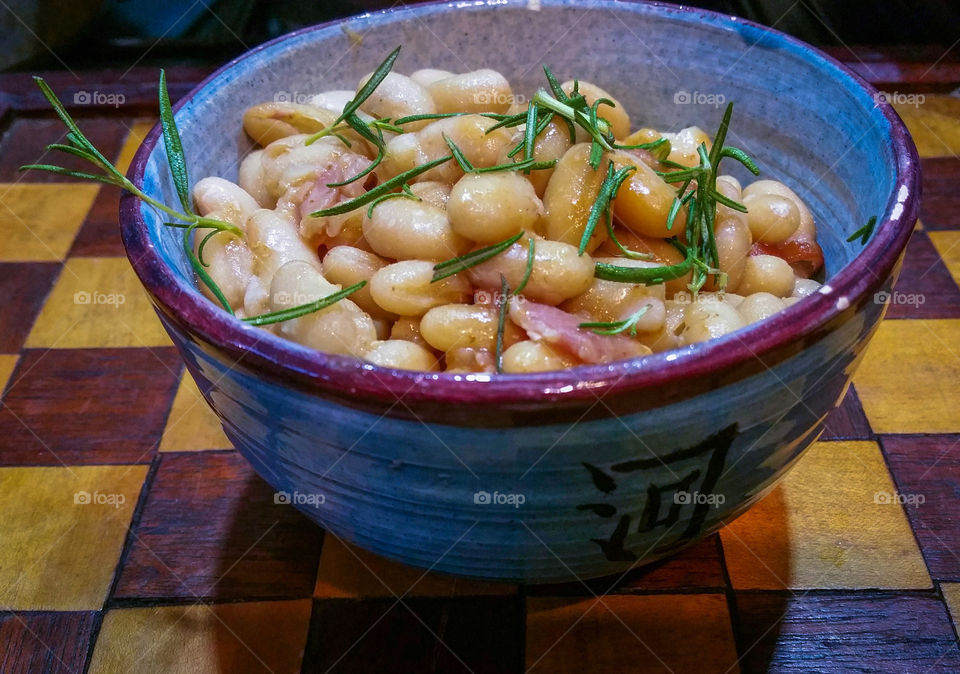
(133, 538)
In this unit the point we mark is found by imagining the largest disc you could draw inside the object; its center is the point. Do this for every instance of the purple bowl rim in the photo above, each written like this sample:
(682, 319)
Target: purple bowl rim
(292, 363)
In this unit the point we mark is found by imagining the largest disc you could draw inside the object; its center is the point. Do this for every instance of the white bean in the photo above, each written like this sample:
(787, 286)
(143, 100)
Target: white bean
(401, 355)
(404, 229)
(404, 288)
(490, 207)
(766, 273)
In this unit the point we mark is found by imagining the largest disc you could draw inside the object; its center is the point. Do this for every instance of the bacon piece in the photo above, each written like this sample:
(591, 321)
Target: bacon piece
(561, 329)
(804, 255)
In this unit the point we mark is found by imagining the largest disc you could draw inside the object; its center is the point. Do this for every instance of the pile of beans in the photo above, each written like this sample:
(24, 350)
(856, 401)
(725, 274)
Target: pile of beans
(401, 319)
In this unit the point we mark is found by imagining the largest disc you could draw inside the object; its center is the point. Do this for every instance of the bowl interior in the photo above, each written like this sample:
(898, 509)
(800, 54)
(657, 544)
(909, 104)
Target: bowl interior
(804, 120)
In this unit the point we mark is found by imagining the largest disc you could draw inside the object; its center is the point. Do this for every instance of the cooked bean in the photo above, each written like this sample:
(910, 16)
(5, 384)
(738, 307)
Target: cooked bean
(340, 328)
(412, 230)
(401, 355)
(490, 207)
(347, 266)
(778, 188)
(708, 318)
(404, 288)
(288, 162)
(407, 328)
(766, 273)
(250, 178)
(772, 218)
(334, 101)
(469, 132)
(617, 115)
(230, 264)
(469, 359)
(570, 195)
(608, 301)
(669, 335)
(558, 272)
(269, 122)
(454, 326)
(275, 241)
(684, 144)
(399, 96)
(804, 287)
(427, 76)
(232, 203)
(552, 143)
(758, 306)
(531, 356)
(644, 200)
(477, 91)
(432, 192)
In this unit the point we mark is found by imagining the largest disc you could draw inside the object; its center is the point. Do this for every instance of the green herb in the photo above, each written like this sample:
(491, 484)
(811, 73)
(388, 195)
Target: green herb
(349, 116)
(303, 309)
(502, 309)
(618, 327)
(458, 264)
(865, 232)
(700, 251)
(458, 155)
(379, 190)
(404, 193)
(531, 255)
(647, 275)
(526, 165)
(601, 207)
(80, 146)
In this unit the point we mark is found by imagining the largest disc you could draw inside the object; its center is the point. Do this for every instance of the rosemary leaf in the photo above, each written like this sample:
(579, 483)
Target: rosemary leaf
(303, 309)
(531, 256)
(502, 320)
(369, 87)
(171, 141)
(379, 190)
(456, 265)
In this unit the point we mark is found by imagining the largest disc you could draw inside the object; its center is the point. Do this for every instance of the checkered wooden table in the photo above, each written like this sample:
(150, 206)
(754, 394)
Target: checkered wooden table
(134, 539)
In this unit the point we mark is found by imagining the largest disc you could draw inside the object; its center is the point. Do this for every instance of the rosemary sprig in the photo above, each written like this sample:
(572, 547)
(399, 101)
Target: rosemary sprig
(700, 251)
(379, 190)
(461, 263)
(525, 165)
(618, 327)
(502, 309)
(372, 132)
(187, 220)
(303, 309)
(865, 232)
(404, 193)
(531, 256)
(601, 207)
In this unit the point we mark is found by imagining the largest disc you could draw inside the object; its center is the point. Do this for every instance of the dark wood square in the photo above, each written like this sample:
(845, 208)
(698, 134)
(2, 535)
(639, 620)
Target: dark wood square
(210, 529)
(846, 633)
(23, 286)
(466, 634)
(52, 643)
(81, 406)
(928, 468)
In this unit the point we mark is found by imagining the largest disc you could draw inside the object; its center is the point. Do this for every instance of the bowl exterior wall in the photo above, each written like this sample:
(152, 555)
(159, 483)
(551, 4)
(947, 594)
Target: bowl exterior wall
(538, 503)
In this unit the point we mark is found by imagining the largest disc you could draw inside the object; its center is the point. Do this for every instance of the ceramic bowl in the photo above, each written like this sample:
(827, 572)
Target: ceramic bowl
(575, 473)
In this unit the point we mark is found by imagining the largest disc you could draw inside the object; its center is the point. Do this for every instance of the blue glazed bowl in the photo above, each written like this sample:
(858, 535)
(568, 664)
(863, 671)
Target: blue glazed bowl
(576, 473)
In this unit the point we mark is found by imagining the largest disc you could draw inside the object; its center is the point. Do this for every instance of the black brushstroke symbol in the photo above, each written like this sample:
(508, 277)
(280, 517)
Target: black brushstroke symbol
(717, 446)
(613, 549)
